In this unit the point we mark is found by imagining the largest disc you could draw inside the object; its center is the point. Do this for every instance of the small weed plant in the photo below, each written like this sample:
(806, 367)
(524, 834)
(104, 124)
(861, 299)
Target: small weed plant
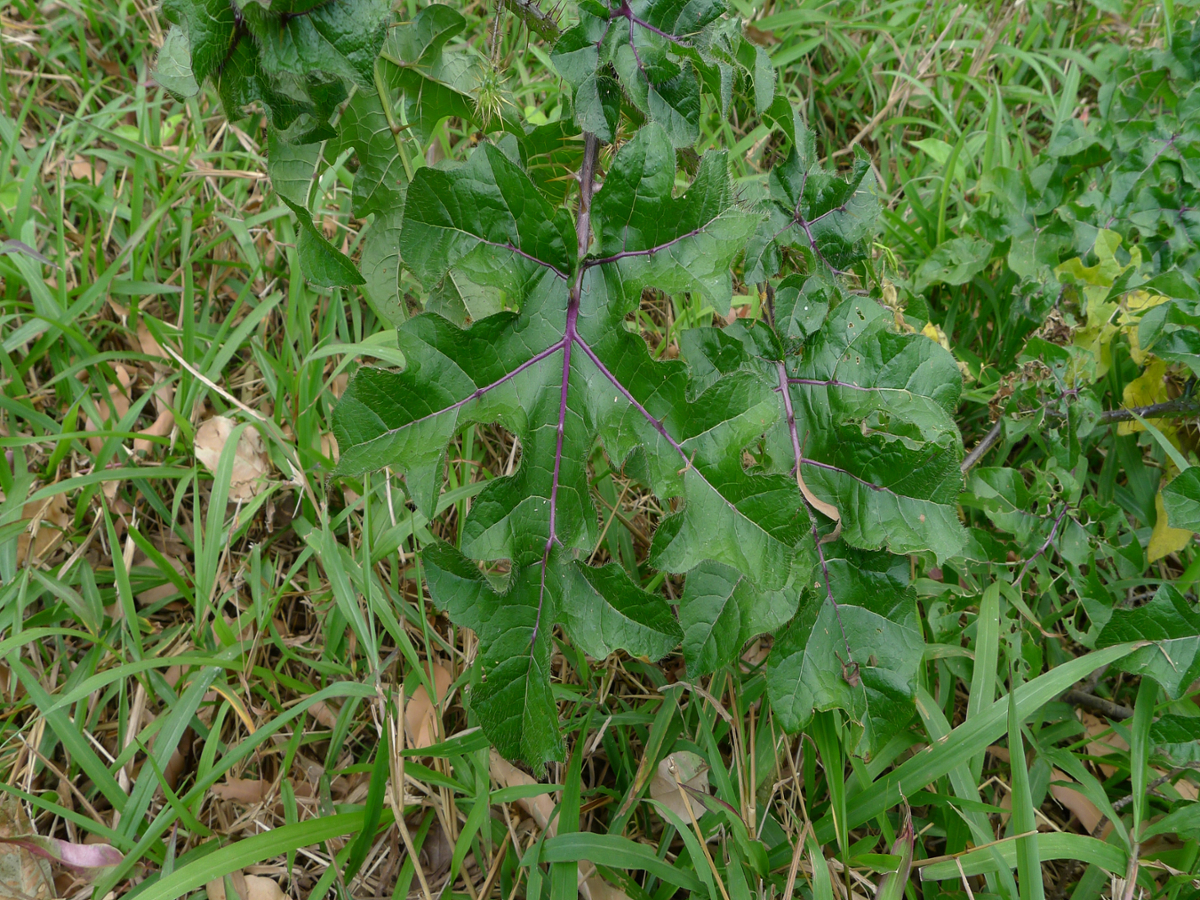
(728, 338)
(798, 457)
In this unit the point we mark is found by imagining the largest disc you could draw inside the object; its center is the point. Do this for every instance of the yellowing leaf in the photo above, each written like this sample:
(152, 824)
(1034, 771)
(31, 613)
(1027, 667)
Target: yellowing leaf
(935, 334)
(1097, 334)
(1107, 269)
(1134, 305)
(1148, 388)
(1165, 540)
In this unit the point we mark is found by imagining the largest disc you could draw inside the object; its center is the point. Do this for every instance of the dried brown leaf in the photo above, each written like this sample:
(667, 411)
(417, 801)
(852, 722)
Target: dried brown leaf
(690, 769)
(250, 465)
(247, 791)
(48, 521)
(22, 875)
(87, 169)
(248, 887)
(421, 719)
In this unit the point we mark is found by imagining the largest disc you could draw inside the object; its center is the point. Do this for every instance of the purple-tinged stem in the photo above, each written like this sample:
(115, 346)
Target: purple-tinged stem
(812, 242)
(791, 413)
(798, 219)
(587, 183)
(832, 468)
(827, 212)
(479, 392)
(633, 401)
(662, 34)
(625, 254)
(517, 250)
(637, 57)
(583, 230)
(626, 11)
(791, 421)
(552, 535)
(1053, 530)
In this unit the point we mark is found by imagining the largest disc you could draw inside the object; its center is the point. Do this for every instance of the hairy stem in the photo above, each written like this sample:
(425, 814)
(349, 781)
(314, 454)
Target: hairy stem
(385, 100)
(534, 19)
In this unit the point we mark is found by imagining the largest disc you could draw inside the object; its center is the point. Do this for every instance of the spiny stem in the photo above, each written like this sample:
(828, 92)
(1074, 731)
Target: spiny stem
(385, 100)
(587, 184)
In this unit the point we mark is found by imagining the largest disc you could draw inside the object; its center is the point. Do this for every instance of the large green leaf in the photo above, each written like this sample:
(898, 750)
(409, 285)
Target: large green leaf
(872, 629)
(721, 609)
(561, 374)
(673, 244)
(873, 414)
(1170, 625)
(866, 416)
(652, 46)
(816, 213)
(1181, 498)
(293, 58)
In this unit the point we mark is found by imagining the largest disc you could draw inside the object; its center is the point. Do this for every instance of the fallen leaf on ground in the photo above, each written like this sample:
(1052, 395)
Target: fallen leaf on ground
(247, 791)
(250, 464)
(86, 860)
(48, 521)
(164, 396)
(1110, 743)
(119, 396)
(421, 720)
(155, 594)
(596, 888)
(323, 713)
(329, 447)
(691, 769)
(539, 808)
(88, 169)
(149, 345)
(22, 875)
(247, 887)
(1061, 788)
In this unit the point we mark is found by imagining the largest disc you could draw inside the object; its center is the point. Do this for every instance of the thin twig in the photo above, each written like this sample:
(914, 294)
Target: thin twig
(982, 447)
(1099, 704)
(1179, 407)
